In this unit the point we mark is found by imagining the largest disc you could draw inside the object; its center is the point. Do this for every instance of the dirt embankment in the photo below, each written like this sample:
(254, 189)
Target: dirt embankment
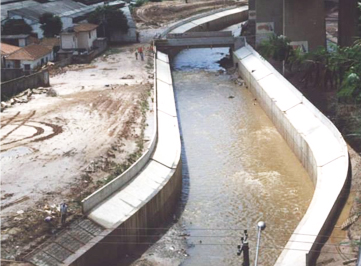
(157, 14)
(62, 148)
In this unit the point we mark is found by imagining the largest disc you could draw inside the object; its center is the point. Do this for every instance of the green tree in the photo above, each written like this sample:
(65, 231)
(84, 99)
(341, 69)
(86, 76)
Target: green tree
(112, 20)
(50, 24)
(16, 26)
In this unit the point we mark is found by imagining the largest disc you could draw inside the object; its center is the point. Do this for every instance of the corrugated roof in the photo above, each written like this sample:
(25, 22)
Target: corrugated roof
(58, 8)
(13, 6)
(30, 52)
(7, 49)
(85, 27)
(15, 36)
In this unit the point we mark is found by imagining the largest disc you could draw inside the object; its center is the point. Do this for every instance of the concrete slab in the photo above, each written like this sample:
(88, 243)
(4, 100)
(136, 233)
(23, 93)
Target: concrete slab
(304, 121)
(184, 28)
(116, 208)
(168, 140)
(163, 72)
(280, 93)
(257, 69)
(324, 145)
(242, 53)
(166, 102)
(163, 57)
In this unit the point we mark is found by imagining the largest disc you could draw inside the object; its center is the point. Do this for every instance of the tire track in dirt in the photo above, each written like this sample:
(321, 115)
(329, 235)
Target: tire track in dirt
(20, 125)
(10, 119)
(39, 131)
(56, 131)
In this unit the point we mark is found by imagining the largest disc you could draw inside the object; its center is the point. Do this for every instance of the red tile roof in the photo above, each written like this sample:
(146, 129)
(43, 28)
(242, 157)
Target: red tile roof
(30, 52)
(7, 49)
(50, 42)
(85, 27)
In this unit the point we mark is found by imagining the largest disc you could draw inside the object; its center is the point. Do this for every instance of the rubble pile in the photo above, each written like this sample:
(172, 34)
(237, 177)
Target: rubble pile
(23, 97)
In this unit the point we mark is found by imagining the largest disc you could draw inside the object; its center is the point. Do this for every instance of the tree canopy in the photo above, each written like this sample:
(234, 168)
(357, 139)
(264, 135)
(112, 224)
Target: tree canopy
(16, 26)
(112, 19)
(50, 24)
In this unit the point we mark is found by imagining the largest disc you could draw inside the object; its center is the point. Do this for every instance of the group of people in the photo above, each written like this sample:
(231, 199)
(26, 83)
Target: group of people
(139, 51)
(63, 215)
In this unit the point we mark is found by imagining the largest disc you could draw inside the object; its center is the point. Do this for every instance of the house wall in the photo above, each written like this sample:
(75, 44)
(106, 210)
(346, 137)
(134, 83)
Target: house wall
(22, 42)
(33, 64)
(85, 41)
(68, 41)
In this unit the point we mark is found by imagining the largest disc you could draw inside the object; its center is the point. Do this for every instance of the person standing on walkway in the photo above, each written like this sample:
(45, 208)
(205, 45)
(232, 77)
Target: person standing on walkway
(136, 55)
(140, 51)
(63, 212)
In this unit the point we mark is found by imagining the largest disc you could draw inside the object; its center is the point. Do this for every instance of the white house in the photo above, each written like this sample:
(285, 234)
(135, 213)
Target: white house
(81, 36)
(6, 50)
(29, 57)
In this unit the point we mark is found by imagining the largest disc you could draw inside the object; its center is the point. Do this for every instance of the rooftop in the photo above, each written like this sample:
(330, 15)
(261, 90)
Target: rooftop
(50, 42)
(7, 49)
(85, 27)
(58, 8)
(15, 36)
(30, 52)
(61, 8)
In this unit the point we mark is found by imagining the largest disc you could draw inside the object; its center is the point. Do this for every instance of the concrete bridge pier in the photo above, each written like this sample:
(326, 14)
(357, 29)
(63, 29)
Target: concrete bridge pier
(347, 22)
(304, 23)
(269, 19)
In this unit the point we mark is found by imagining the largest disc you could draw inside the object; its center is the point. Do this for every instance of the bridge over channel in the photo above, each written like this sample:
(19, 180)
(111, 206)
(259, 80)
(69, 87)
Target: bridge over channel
(210, 39)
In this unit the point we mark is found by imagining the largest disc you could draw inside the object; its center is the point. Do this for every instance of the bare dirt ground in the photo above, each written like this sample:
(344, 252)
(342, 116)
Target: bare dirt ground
(158, 14)
(64, 147)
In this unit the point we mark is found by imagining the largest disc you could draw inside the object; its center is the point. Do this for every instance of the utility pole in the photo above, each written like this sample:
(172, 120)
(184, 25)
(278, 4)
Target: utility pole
(261, 226)
(244, 248)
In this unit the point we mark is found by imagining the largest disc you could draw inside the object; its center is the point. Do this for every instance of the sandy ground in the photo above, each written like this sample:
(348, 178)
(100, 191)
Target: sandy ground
(62, 148)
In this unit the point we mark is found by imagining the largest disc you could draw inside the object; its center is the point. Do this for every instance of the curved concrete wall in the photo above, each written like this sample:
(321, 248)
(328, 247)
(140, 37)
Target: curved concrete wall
(316, 142)
(128, 211)
(313, 138)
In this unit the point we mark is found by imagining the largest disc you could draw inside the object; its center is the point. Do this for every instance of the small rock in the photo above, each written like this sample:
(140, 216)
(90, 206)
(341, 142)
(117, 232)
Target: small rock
(20, 212)
(4, 238)
(14, 231)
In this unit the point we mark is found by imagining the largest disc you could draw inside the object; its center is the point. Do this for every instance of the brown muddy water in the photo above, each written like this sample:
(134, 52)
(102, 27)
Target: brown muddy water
(237, 169)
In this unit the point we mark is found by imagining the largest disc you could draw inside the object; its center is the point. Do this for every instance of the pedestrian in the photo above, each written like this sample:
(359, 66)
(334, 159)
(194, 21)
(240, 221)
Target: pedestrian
(63, 212)
(140, 51)
(48, 220)
(136, 55)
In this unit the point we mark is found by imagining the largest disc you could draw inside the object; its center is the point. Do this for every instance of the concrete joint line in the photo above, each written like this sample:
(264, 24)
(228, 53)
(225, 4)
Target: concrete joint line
(75, 238)
(171, 84)
(162, 61)
(166, 113)
(264, 76)
(82, 228)
(64, 247)
(128, 203)
(163, 164)
(245, 57)
(331, 161)
(51, 256)
(292, 107)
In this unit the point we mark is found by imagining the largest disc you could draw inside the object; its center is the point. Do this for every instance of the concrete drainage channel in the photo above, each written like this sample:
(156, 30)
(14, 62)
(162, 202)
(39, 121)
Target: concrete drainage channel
(144, 196)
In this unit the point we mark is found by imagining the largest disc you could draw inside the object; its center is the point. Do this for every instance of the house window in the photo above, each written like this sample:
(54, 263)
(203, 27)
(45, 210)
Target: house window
(46, 59)
(42, 60)
(26, 66)
(89, 35)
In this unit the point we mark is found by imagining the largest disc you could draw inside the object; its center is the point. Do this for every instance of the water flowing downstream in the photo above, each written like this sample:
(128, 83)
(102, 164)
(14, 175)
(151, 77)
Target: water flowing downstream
(237, 169)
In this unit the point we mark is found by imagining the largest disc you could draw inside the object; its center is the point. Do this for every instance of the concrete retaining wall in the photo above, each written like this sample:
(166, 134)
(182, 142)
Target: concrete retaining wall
(316, 142)
(134, 207)
(15, 86)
